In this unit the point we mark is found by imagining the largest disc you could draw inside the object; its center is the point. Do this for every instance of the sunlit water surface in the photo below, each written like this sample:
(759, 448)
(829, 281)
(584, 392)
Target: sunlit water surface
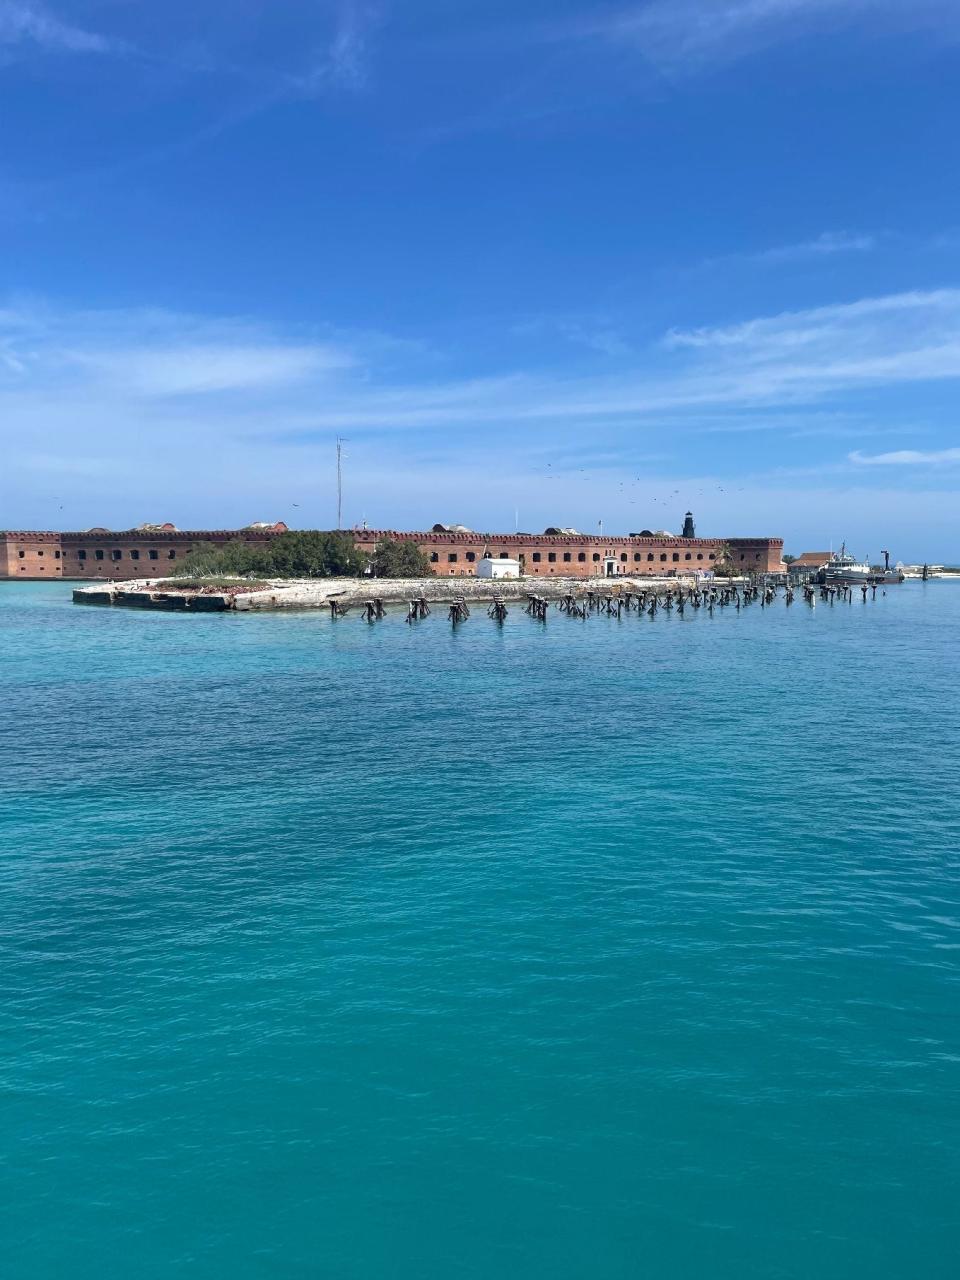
(604, 949)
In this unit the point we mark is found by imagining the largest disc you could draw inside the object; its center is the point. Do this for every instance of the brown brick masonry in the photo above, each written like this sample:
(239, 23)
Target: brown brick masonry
(100, 554)
(106, 556)
(582, 555)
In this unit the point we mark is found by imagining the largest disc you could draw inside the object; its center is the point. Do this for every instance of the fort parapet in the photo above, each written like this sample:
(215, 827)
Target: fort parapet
(154, 551)
(110, 555)
(578, 555)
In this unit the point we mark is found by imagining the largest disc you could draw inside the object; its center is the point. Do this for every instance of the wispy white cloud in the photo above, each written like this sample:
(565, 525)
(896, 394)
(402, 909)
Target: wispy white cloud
(891, 325)
(23, 22)
(259, 407)
(823, 246)
(343, 61)
(907, 458)
(796, 358)
(682, 36)
(152, 353)
(201, 369)
(826, 245)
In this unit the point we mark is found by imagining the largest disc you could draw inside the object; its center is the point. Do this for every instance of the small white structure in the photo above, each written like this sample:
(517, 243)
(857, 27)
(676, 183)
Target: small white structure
(487, 568)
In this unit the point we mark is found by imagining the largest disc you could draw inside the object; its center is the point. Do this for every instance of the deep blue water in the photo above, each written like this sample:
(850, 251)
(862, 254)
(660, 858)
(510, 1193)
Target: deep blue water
(604, 949)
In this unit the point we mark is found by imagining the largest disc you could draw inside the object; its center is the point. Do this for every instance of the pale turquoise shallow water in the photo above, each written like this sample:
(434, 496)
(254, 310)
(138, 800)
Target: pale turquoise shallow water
(613, 949)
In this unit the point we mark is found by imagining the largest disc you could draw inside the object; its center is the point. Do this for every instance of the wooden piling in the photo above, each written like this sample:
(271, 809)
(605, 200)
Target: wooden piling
(458, 611)
(498, 610)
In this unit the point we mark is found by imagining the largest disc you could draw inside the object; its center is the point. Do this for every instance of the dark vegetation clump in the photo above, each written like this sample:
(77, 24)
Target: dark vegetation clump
(399, 560)
(302, 554)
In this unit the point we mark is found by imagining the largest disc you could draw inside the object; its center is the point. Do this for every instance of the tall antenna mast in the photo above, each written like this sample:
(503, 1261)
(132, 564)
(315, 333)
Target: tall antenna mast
(339, 484)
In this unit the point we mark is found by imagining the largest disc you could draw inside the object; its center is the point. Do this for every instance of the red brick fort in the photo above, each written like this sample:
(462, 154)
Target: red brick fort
(152, 551)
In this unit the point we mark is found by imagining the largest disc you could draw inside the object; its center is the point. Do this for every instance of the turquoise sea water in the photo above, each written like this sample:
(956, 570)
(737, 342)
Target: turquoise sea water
(604, 949)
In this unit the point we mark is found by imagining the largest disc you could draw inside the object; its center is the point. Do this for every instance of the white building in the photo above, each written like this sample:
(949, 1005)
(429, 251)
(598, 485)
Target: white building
(487, 568)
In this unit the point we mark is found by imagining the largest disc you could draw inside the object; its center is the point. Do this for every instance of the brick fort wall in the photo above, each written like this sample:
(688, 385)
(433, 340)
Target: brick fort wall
(100, 554)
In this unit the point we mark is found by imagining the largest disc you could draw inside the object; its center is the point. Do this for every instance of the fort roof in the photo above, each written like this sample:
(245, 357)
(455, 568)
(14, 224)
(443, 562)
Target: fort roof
(813, 559)
(556, 539)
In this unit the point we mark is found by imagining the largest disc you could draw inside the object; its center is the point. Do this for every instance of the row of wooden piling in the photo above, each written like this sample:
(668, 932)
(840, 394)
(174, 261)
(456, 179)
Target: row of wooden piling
(648, 602)
(843, 591)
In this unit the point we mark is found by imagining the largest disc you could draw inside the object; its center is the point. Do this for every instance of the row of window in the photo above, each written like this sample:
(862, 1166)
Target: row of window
(567, 557)
(114, 555)
(134, 555)
(469, 556)
(637, 557)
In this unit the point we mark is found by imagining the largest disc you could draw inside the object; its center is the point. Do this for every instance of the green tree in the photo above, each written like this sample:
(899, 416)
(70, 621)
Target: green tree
(404, 559)
(295, 554)
(236, 558)
(789, 559)
(311, 554)
(724, 566)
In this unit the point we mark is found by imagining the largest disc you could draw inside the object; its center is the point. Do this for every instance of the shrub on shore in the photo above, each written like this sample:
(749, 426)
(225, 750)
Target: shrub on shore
(402, 559)
(295, 554)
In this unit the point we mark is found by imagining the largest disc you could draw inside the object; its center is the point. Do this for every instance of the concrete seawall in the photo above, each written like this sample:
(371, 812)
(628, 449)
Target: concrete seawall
(318, 593)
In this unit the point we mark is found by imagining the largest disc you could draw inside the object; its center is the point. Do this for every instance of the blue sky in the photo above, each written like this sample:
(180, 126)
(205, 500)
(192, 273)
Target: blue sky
(548, 262)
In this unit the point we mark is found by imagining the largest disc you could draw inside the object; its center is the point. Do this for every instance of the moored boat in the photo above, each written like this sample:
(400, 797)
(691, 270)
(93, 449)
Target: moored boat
(844, 569)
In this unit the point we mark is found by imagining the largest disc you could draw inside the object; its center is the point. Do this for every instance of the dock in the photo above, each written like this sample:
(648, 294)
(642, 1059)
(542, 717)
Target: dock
(369, 600)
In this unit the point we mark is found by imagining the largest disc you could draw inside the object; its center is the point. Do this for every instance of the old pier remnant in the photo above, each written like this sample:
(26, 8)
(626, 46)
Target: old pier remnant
(458, 611)
(418, 608)
(372, 610)
(498, 609)
(537, 607)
